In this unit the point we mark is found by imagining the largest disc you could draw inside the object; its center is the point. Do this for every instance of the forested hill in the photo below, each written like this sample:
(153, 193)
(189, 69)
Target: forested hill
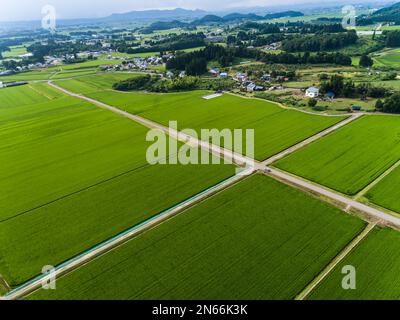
(388, 14)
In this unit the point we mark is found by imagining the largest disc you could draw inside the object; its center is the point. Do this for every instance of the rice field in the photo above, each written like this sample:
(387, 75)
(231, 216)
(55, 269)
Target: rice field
(275, 128)
(279, 246)
(350, 158)
(64, 71)
(376, 261)
(389, 58)
(79, 177)
(385, 194)
(91, 84)
(15, 97)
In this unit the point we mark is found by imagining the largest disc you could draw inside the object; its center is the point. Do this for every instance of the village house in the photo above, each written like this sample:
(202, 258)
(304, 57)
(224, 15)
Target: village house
(214, 39)
(312, 92)
(214, 72)
(242, 77)
(266, 77)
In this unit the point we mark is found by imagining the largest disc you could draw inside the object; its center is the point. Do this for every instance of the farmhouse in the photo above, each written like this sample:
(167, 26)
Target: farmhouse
(214, 72)
(241, 77)
(251, 87)
(312, 92)
(223, 75)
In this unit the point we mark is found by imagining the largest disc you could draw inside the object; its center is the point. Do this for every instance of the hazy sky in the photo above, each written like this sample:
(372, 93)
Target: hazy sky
(14, 10)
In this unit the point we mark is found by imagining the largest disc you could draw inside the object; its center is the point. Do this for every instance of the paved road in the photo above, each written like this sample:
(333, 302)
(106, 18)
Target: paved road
(254, 165)
(214, 149)
(350, 203)
(263, 166)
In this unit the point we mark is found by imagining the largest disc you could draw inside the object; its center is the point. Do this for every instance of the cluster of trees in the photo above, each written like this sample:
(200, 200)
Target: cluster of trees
(348, 89)
(262, 28)
(390, 104)
(254, 39)
(53, 48)
(142, 82)
(392, 39)
(366, 61)
(146, 82)
(13, 64)
(307, 58)
(172, 43)
(5, 44)
(195, 63)
(319, 42)
(315, 28)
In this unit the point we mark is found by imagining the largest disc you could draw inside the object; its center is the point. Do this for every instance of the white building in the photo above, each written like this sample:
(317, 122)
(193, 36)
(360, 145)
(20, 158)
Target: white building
(251, 87)
(1, 85)
(312, 92)
(223, 75)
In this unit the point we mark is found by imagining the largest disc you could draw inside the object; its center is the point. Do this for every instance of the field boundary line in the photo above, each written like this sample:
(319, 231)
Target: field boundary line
(359, 195)
(331, 265)
(241, 160)
(121, 238)
(39, 92)
(4, 283)
(294, 181)
(214, 149)
(311, 139)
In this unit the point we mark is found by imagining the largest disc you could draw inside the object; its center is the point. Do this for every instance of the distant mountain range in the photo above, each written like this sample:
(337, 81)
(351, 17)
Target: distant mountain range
(174, 14)
(200, 16)
(212, 19)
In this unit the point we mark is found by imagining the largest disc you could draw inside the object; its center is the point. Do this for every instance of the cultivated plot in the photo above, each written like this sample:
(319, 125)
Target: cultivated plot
(275, 128)
(350, 158)
(79, 177)
(91, 84)
(386, 193)
(14, 97)
(282, 239)
(377, 264)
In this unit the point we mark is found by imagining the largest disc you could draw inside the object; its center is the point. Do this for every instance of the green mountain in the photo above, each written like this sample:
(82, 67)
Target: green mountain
(386, 15)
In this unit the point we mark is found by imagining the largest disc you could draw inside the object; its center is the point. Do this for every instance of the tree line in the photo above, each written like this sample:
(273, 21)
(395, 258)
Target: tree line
(319, 42)
(195, 63)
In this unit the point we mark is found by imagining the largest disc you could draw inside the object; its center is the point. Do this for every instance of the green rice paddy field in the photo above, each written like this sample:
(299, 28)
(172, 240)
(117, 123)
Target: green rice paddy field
(350, 158)
(275, 128)
(376, 261)
(16, 97)
(389, 58)
(60, 72)
(73, 175)
(385, 194)
(282, 239)
(95, 83)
